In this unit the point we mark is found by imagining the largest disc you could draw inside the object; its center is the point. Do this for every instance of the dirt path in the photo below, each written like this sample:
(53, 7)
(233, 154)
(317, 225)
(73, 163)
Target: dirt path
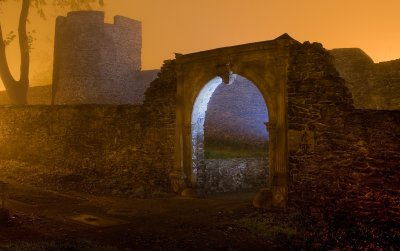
(46, 220)
(140, 224)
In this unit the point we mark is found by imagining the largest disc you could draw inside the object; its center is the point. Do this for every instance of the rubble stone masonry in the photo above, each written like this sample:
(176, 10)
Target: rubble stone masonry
(374, 86)
(125, 149)
(345, 164)
(94, 62)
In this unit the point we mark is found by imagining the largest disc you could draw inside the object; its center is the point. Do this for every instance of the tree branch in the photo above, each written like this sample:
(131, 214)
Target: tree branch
(5, 72)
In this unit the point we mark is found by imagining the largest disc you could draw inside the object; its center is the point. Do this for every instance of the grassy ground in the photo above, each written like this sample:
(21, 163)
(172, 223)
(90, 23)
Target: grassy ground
(227, 150)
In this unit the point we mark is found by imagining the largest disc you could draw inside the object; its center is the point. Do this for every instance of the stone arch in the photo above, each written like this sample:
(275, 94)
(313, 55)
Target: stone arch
(198, 118)
(265, 64)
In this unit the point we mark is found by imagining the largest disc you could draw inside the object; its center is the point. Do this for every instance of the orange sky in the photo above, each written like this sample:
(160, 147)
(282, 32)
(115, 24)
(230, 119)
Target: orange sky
(194, 25)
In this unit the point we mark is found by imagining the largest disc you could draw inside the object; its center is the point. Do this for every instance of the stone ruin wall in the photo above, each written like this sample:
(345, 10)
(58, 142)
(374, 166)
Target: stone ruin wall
(122, 150)
(89, 58)
(343, 162)
(94, 62)
(59, 146)
(374, 86)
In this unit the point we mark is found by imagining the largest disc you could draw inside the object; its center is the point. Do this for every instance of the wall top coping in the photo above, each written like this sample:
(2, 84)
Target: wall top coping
(280, 44)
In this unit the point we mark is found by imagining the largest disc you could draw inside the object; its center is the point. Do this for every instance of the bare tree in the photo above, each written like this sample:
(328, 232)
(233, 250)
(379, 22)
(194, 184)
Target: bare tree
(17, 89)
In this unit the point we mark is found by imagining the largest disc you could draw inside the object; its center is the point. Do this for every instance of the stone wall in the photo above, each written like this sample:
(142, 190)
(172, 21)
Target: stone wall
(374, 86)
(160, 110)
(94, 62)
(95, 148)
(41, 95)
(236, 114)
(236, 174)
(141, 83)
(373, 181)
(343, 162)
(103, 148)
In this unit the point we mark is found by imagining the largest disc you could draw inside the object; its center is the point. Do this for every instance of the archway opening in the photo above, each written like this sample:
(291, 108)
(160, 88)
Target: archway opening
(229, 137)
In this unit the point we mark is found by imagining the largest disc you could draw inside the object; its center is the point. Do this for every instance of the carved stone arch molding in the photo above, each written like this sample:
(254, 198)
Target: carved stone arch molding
(263, 63)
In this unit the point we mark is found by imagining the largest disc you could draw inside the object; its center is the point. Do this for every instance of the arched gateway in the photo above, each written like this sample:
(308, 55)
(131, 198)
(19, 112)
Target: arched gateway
(265, 64)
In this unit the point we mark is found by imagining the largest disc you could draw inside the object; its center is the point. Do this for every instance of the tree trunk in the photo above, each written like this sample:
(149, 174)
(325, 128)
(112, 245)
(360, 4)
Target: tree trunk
(17, 90)
(18, 93)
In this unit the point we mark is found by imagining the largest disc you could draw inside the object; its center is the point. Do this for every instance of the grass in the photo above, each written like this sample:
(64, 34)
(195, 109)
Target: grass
(215, 150)
(269, 226)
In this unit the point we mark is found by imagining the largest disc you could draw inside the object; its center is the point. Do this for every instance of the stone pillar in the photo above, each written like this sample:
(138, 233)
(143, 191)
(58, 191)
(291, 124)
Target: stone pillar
(275, 195)
(278, 175)
(271, 128)
(177, 177)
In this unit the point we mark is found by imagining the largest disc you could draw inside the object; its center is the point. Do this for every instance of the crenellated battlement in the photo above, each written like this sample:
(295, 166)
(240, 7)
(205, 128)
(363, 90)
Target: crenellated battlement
(85, 17)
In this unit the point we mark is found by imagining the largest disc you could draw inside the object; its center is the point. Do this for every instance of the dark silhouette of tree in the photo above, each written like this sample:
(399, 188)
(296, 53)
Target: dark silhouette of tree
(17, 89)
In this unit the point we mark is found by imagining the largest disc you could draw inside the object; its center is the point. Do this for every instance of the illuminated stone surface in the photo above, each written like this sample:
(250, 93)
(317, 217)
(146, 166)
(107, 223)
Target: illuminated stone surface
(237, 113)
(235, 174)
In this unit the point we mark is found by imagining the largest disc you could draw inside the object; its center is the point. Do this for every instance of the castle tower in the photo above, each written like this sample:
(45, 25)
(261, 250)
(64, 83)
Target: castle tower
(95, 62)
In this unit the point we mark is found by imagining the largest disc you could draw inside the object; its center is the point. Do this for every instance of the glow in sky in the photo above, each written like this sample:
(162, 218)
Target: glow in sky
(186, 26)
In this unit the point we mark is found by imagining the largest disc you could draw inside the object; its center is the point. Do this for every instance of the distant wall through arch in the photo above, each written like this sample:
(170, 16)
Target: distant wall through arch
(231, 153)
(243, 111)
